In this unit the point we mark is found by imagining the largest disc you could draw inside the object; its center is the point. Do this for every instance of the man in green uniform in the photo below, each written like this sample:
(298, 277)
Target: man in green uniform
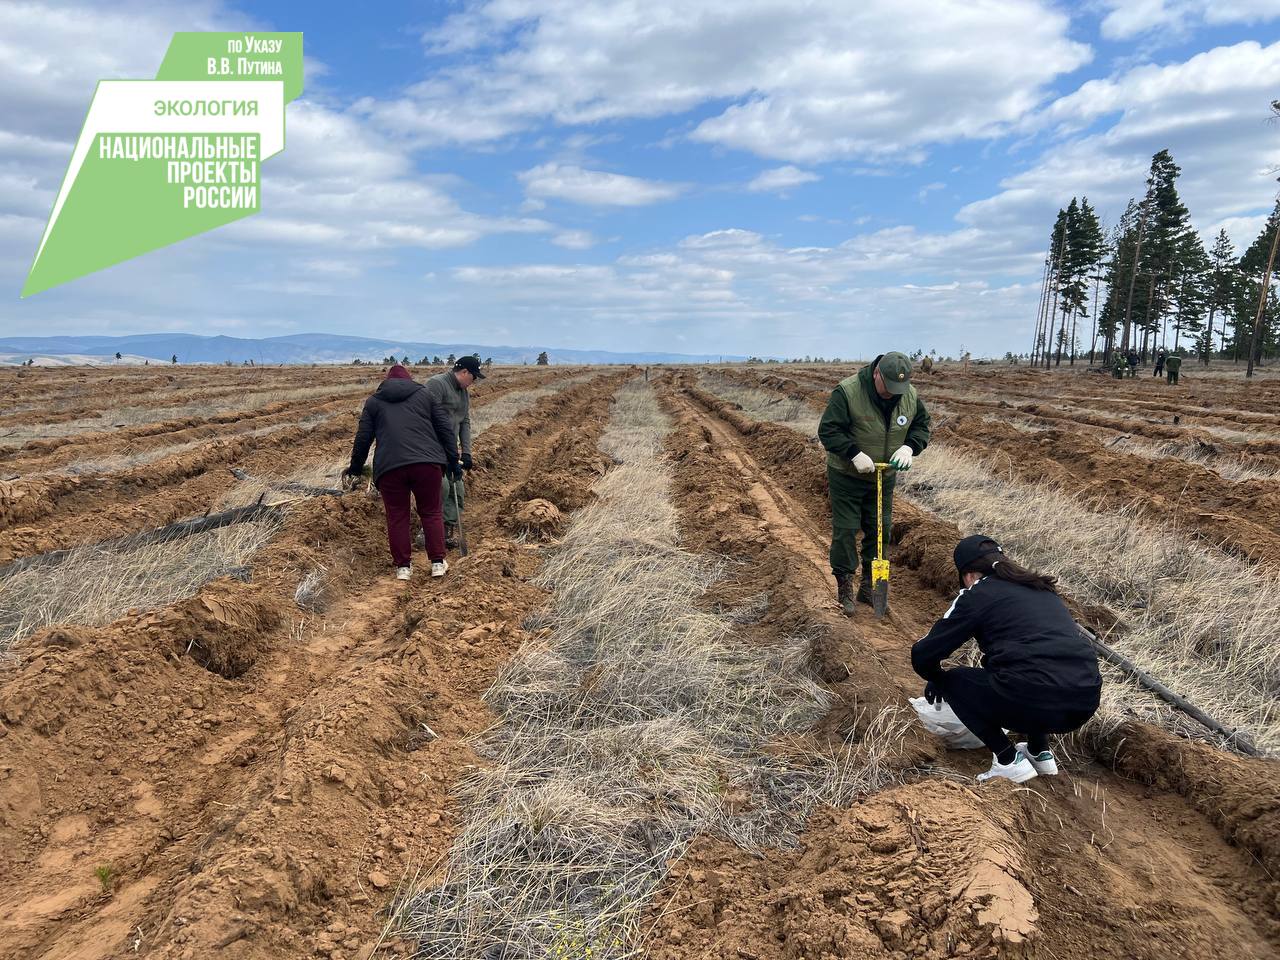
(873, 417)
(1172, 364)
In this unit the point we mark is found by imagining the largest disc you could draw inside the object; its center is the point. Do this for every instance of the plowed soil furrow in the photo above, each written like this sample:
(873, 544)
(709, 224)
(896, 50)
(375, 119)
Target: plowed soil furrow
(52, 410)
(266, 804)
(48, 455)
(1242, 517)
(48, 513)
(1114, 868)
(1222, 392)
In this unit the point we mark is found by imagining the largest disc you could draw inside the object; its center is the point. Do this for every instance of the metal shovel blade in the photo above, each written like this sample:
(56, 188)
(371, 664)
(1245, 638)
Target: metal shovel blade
(880, 599)
(880, 588)
(462, 535)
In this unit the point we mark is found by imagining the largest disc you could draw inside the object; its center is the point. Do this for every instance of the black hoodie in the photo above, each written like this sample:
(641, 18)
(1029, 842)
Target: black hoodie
(1032, 648)
(409, 427)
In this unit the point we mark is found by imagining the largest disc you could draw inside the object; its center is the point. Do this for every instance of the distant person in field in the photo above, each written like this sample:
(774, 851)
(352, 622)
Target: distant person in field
(926, 364)
(1173, 364)
(1160, 359)
(1132, 357)
(1039, 673)
(415, 446)
(450, 390)
(873, 417)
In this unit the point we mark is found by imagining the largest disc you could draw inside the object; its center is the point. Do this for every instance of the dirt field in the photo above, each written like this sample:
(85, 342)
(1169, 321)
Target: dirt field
(244, 768)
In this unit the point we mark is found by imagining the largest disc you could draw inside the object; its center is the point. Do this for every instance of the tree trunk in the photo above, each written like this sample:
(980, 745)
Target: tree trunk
(1053, 317)
(1044, 299)
(1208, 349)
(1133, 279)
(1093, 343)
(1062, 337)
(1114, 296)
(1256, 341)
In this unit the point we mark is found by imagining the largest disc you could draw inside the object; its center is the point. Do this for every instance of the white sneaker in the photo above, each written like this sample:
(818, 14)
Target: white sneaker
(1045, 763)
(1020, 771)
(440, 568)
(404, 573)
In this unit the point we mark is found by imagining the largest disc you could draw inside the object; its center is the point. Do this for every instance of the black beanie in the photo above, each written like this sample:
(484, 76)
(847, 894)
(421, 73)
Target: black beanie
(971, 548)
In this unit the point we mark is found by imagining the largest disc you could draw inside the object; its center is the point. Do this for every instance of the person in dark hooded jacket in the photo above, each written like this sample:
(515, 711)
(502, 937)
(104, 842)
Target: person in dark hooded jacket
(415, 444)
(1039, 672)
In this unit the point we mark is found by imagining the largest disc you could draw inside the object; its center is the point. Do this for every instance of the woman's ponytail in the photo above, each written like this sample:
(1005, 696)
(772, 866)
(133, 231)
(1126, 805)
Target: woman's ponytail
(1002, 568)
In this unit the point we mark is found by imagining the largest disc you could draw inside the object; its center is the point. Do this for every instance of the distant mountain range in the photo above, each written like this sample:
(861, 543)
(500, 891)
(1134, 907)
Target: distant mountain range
(300, 348)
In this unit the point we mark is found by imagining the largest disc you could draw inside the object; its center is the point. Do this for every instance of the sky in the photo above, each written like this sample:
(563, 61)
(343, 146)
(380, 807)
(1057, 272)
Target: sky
(772, 177)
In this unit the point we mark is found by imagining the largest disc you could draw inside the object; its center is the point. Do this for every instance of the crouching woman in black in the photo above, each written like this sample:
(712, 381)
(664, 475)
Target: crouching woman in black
(1039, 673)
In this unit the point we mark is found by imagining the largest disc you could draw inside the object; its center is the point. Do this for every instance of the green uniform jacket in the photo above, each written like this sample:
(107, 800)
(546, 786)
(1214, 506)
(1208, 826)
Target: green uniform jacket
(446, 391)
(1173, 362)
(858, 420)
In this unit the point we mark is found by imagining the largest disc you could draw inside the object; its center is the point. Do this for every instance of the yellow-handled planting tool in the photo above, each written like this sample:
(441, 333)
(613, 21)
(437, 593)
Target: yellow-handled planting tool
(880, 566)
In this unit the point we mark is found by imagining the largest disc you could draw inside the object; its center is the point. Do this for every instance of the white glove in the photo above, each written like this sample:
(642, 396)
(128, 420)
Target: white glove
(862, 463)
(901, 458)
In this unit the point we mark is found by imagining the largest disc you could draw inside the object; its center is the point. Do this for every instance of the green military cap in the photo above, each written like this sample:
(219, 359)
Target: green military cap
(895, 371)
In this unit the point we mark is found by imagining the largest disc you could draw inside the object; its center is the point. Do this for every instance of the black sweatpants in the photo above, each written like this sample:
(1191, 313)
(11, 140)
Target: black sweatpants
(988, 713)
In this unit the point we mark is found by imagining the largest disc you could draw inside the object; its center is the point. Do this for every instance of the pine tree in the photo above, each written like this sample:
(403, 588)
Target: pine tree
(1161, 260)
(543, 360)
(1057, 256)
(1257, 264)
(1085, 249)
(1192, 292)
(1223, 277)
(1122, 245)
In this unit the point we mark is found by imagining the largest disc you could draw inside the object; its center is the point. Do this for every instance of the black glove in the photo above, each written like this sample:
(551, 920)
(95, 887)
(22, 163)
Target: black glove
(351, 476)
(466, 461)
(932, 692)
(454, 470)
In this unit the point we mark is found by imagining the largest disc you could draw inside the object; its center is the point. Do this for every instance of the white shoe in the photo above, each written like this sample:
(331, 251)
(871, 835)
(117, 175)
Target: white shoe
(1020, 771)
(1045, 763)
(440, 568)
(404, 573)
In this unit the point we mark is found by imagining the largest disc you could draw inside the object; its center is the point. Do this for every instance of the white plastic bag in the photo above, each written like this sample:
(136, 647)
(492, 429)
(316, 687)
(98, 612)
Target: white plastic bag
(940, 720)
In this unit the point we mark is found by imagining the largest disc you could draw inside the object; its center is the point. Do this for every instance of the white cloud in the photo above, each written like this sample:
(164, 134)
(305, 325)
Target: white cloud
(878, 79)
(1129, 18)
(574, 239)
(736, 290)
(1210, 111)
(596, 187)
(923, 193)
(781, 179)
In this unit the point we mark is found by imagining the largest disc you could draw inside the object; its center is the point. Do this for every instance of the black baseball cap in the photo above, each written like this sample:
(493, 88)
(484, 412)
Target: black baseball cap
(972, 548)
(471, 365)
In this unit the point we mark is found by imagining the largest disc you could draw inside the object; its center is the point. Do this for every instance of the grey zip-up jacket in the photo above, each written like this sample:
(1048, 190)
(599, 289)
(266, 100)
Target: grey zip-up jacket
(448, 393)
(409, 428)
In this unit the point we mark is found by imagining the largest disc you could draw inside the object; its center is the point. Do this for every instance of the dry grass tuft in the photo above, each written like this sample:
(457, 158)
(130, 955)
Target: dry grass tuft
(1236, 469)
(134, 416)
(1201, 622)
(94, 586)
(313, 591)
(762, 404)
(634, 726)
(326, 474)
(512, 404)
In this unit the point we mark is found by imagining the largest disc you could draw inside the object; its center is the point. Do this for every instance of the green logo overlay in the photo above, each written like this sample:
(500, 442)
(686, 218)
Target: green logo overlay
(161, 160)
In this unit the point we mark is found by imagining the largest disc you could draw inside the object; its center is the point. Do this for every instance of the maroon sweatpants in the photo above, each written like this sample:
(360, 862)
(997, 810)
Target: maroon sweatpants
(423, 481)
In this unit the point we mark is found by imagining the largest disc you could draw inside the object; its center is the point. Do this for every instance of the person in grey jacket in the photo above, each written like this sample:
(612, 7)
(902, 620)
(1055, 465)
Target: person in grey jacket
(450, 391)
(415, 447)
